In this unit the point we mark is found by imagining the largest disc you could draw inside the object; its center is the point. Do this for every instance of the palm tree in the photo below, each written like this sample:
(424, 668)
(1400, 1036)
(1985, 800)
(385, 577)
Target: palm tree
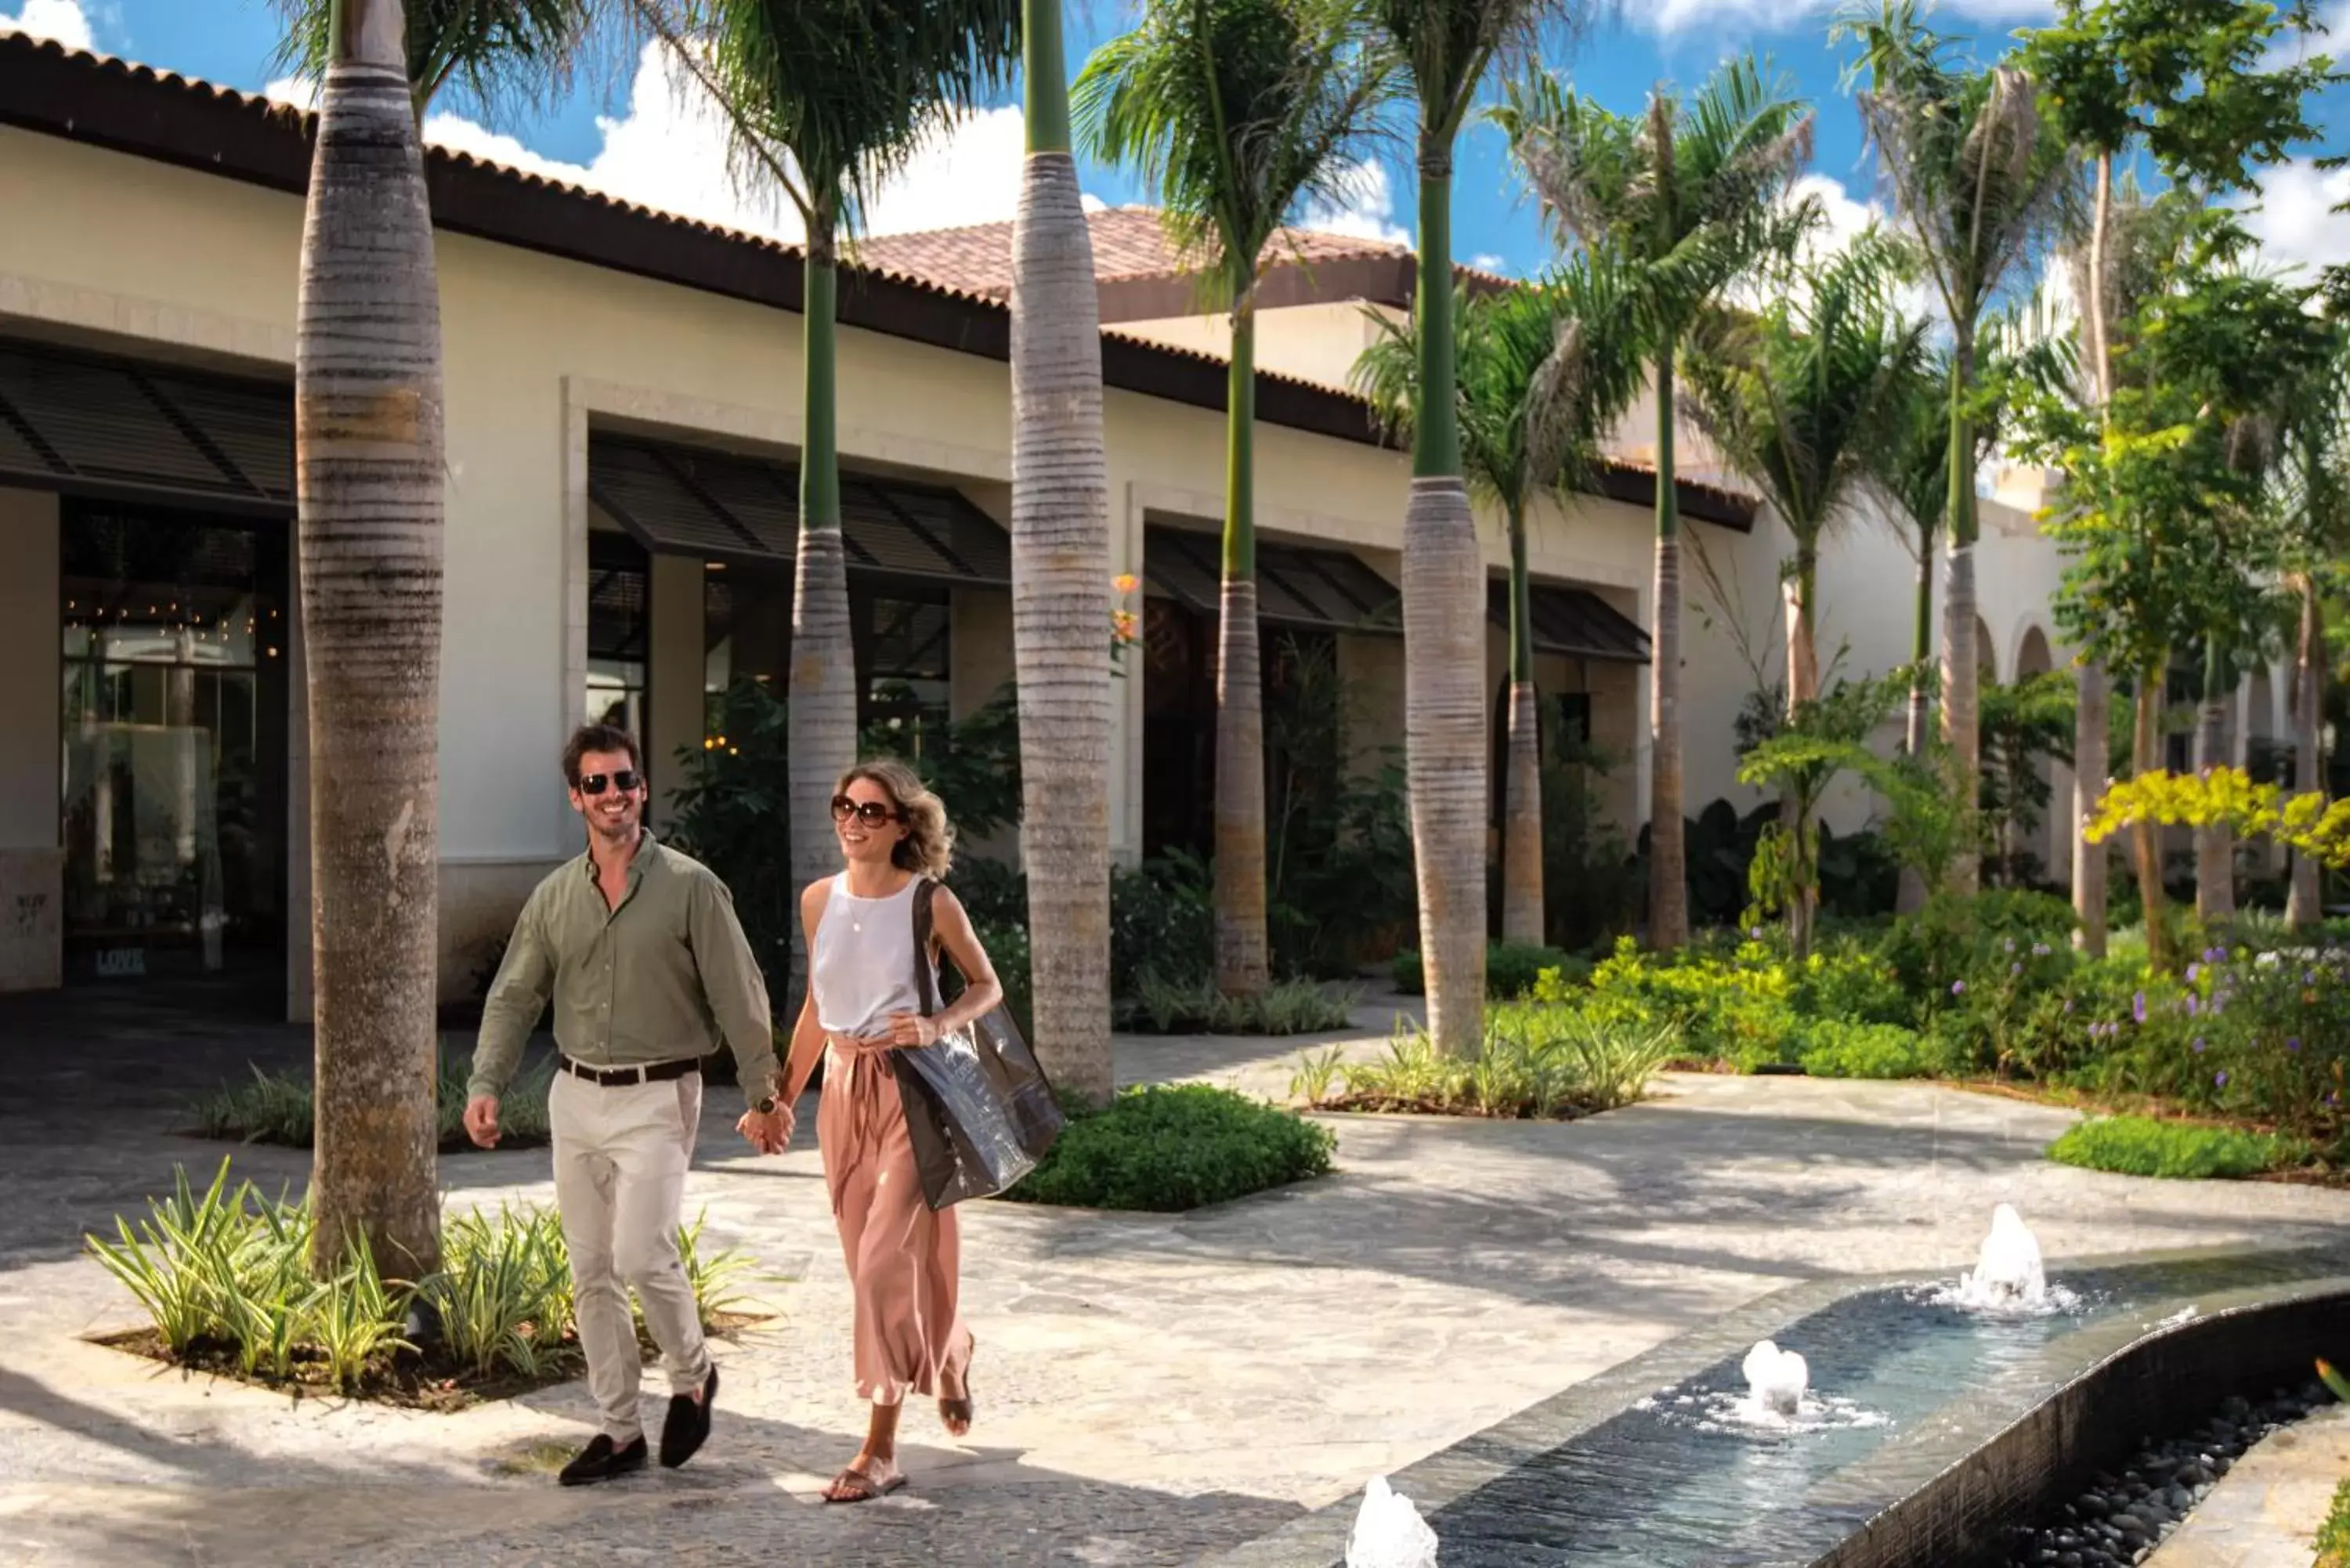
(1061, 582)
(1445, 48)
(1976, 177)
(825, 98)
(1690, 194)
(1237, 111)
(1804, 399)
(488, 53)
(1544, 373)
(367, 445)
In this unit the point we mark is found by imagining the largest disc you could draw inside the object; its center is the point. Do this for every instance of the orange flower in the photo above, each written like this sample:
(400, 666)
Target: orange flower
(1125, 582)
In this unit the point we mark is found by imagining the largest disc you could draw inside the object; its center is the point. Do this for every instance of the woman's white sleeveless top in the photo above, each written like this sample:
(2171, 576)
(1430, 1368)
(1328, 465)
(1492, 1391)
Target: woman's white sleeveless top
(863, 966)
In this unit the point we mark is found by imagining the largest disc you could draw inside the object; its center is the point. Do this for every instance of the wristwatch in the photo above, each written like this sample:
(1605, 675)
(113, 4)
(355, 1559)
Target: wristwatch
(765, 1107)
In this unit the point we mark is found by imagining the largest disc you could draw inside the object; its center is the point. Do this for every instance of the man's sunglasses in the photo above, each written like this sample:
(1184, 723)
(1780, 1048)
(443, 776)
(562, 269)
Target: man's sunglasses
(624, 781)
(871, 813)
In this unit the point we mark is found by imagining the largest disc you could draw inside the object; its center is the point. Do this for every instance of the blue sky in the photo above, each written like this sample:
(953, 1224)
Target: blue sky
(633, 141)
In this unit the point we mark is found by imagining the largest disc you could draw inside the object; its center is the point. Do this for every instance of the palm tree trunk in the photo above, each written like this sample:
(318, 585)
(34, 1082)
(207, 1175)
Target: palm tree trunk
(1802, 685)
(1910, 897)
(1060, 584)
(1668, 924)
(1962, 674)
(2091, 732)
(1521, 828)
(2147, 841)
(820, 717)
(2215, 843)
(1241, 966)
(1444, 654)
(368, 439)
(2090, 727)
(2304, 904)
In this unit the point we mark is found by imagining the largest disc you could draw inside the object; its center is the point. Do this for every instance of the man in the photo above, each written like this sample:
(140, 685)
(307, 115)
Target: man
(647, 968)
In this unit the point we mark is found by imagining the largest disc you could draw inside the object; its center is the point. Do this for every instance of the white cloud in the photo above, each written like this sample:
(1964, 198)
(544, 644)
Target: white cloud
(1365, 210)
(1781, 16)
(1487, 262)
(2295, 223)
(63, 20)
(668, 150)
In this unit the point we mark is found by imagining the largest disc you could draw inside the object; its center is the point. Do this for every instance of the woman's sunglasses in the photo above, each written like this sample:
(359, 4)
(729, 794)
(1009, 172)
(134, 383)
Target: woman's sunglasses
(594, 783)
(871, 813)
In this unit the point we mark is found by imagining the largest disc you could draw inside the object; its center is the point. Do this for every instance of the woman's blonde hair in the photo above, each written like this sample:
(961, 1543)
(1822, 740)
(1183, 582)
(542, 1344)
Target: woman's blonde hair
(928, 848)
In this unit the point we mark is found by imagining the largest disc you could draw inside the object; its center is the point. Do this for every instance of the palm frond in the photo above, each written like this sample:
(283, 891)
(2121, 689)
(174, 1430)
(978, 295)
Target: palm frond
(1236, 113)
(831, 98)
(491, 58)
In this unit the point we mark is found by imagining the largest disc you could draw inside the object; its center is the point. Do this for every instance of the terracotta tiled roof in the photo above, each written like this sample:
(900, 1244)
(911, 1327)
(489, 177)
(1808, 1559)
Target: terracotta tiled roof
(1130, 245)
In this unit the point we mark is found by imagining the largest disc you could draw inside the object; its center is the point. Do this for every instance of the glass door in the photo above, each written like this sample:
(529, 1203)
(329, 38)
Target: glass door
(175, 633)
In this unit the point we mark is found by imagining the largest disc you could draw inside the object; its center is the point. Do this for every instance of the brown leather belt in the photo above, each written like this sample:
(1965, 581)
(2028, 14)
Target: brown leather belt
(651, 1072)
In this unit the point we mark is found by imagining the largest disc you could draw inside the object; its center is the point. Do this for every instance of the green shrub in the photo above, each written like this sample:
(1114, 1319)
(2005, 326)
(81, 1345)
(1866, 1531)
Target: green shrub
(2333, 1536)
(276, 1108)
(1539, 1060)
(1513, 970)
(1167, 1148)
(2141, 1145)
(225, 1280)
(1833, 1048)
(1734, 1008)
(1196, 1007)
(1851, 980)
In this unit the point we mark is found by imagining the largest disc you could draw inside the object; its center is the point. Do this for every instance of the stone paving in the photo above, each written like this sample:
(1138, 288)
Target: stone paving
(2266, 1510)
(1152, 1388)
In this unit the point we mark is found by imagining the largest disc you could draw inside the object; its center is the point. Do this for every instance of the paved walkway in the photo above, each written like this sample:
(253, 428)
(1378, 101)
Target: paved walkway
(1151, 1388)
(2266, 1510)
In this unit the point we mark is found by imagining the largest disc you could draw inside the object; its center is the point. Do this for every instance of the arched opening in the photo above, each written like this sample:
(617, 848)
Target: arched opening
(2037, 832)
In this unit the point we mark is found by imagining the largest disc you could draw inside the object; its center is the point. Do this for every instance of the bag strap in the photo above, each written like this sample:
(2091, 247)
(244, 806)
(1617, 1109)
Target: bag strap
(925, 979)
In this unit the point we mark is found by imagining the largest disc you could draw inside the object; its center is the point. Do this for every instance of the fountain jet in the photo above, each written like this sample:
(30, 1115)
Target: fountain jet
(2007, 1272)
(1775, 1379)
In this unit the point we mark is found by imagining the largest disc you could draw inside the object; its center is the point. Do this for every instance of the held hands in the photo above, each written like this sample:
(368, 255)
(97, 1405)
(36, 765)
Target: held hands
(482, 1120)
(770, 1133)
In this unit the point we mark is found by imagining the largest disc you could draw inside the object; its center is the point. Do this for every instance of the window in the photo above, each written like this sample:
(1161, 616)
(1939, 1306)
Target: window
(619, 631)
(904, 637)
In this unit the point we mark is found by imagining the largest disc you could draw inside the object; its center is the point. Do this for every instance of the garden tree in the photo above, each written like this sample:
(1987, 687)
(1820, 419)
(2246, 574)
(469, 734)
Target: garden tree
(2024, 723)
(2306, 823)
(1236, 112)
(367, 456)
(1976, 175)
(1690, 196)
(1444, 49)
(1060, 581)
(2311, 484)
(2190, 81)
(2161, 510)
(1543, 373)
(1824, 736)
(823, 100)
(1804, 398)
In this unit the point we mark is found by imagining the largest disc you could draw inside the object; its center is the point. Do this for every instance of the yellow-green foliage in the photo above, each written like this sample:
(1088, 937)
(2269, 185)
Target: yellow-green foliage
(2227, 797)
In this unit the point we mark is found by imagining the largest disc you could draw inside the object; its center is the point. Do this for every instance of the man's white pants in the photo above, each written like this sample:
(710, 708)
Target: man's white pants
(620, 1156)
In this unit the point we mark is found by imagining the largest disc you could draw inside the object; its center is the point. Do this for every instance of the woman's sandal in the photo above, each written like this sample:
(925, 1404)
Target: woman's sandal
(860, 1486)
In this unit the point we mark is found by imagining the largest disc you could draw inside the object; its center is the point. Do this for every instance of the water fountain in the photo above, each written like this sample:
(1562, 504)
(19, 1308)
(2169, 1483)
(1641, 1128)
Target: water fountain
(2007, 1273)
(1776, 1380)
(1389, 1533)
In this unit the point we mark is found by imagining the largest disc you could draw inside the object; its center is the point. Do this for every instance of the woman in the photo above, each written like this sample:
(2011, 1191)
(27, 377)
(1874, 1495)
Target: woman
(863, 1006)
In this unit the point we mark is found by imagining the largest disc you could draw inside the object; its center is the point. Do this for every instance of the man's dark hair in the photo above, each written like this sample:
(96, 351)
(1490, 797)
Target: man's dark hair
(599, 738)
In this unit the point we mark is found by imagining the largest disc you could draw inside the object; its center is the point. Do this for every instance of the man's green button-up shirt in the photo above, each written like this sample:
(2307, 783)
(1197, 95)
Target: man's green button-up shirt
(667, 974)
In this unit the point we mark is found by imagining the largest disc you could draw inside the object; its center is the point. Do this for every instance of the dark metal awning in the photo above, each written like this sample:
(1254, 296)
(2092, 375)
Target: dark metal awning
(1296, 585)
(1573, 621)
(97, 424)
(695, 501)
